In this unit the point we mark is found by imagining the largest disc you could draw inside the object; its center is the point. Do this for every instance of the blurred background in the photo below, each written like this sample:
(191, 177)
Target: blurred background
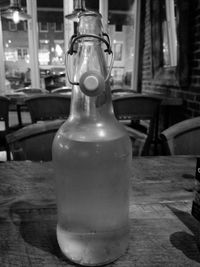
(51, 47)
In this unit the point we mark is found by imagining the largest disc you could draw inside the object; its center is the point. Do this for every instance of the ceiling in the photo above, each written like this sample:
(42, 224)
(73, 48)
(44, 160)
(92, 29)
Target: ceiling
(113, 4)
(92, 4)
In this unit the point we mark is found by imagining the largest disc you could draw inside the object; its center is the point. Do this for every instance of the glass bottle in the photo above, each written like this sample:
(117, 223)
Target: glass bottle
(92, 158)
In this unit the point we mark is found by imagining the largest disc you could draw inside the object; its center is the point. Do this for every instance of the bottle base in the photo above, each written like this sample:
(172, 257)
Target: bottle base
(93, 249)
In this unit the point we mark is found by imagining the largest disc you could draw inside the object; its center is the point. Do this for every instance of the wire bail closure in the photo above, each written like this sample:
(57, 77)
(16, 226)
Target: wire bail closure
(71, 51)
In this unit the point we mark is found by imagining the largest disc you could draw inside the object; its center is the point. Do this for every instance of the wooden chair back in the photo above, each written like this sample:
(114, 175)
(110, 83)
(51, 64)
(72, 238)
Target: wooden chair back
(182, 138)
(34, 142)
(48, 107)
(62, 90)
(4, 121)
(121, 90)
(31, 90)
(139, 108)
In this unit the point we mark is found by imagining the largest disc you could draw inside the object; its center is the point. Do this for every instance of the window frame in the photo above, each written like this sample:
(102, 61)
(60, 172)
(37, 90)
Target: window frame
(22, 52)
(12, 26)
(55, 28)
(171, 31)
(175, 75)
(40, 27)
(25, 26)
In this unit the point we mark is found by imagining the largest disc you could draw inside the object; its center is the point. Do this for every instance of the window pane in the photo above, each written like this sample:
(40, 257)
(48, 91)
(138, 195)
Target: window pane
(51, 52)
(12, 26)
(169, 33)
(121, 32)
(43, 26)
(15, 42)
(58, 26)
(51, 43)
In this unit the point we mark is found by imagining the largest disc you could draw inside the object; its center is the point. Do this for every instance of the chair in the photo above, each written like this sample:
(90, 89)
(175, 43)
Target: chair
(27, 90)
(62, 90)
(138, 141)
(139, 109)
(121, 90)
(4, 121)
(48, 107)
(182, 138)
(34, 142)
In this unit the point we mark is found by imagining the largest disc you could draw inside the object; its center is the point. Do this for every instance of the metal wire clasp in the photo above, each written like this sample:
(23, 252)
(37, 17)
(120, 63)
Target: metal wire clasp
(71, 51)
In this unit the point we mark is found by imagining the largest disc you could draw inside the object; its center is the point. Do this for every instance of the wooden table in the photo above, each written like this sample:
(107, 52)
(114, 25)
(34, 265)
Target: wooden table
(162, 231)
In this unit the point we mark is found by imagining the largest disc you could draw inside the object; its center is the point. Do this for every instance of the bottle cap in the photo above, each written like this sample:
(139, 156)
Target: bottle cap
(92, 83)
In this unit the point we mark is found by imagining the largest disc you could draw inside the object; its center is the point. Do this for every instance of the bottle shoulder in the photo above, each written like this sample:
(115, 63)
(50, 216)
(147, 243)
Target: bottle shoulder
(84, 129)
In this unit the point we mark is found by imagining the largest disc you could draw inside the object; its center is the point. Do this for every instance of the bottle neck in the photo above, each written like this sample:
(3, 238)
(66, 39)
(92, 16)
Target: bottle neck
(90, 57)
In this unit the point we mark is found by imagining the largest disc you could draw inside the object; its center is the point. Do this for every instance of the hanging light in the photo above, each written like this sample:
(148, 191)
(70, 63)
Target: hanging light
(15, 12)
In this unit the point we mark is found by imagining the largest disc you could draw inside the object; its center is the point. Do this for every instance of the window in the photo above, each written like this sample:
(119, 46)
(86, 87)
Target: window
(170, 43)
(43, 26)
(169, 33)
(118, 27)
(12, 26)
(25, 52)
(44, 52)
(19, 53)
(22, 53)
(58, 27)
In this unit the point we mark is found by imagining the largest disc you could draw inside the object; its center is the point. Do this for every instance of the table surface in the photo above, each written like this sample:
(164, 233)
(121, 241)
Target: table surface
(162, 229)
